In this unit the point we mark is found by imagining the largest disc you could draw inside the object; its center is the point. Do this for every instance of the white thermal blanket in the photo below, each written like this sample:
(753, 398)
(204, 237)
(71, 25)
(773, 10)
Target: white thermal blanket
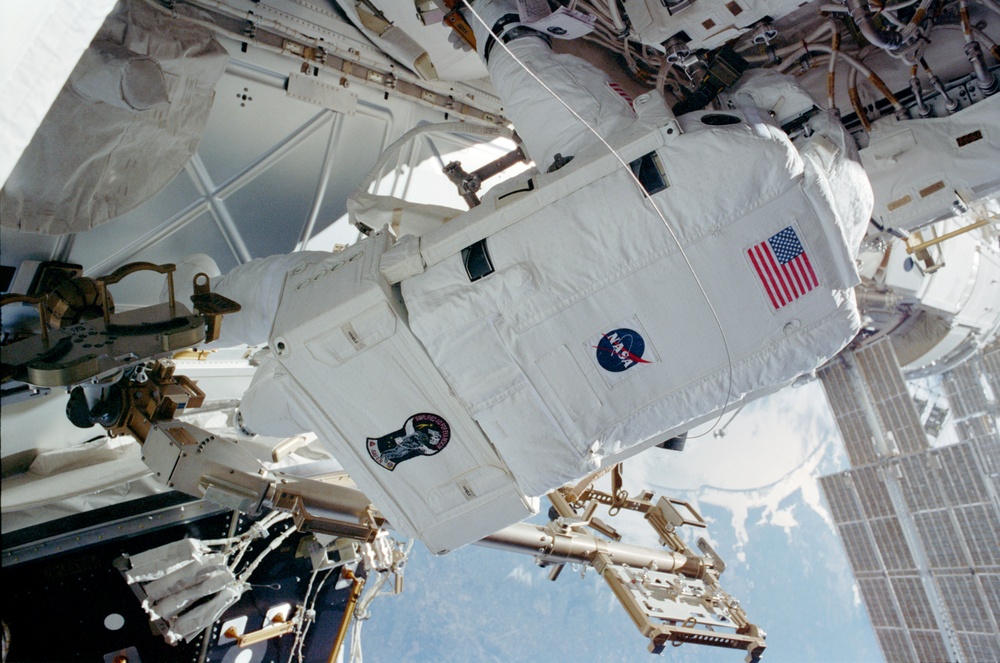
(522, 348)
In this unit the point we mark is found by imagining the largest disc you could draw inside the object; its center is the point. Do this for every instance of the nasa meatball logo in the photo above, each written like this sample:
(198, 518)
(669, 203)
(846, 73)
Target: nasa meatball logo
(423, 434)
(620, 349)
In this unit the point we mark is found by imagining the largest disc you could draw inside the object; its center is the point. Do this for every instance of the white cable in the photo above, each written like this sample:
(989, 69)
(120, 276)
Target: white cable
(361, 614)
(785, 51)
(302, 624)
(278, 540)
(241, 550)
(645, 194)
(245, 539)
(616, 17)
(263, 524)
(310, 609)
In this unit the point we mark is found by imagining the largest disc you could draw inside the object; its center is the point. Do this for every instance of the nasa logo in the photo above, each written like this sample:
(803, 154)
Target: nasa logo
(423, 434)
(620, 349)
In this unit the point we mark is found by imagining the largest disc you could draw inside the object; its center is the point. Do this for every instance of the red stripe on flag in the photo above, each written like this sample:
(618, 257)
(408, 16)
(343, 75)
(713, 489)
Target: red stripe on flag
(776, 276)
(809, 268)
(788, 276)
(798, 277)
(760, 274)
(802, 264)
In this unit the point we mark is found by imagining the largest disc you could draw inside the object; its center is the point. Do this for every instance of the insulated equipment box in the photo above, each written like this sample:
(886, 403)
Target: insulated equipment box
(365, 384)
(579, 328)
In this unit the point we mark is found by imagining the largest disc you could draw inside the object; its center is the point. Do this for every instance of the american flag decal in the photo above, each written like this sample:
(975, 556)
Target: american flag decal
(783, 267)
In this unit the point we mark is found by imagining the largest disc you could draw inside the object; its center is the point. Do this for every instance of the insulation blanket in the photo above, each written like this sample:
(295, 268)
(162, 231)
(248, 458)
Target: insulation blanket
(128, 119)
(603, 331)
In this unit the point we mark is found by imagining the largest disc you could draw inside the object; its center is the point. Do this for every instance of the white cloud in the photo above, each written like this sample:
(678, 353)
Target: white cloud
(783, 518)
(771, 452)
(522, 575)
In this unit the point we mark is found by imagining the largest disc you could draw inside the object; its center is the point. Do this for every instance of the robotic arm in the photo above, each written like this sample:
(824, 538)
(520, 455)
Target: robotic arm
(117, 369)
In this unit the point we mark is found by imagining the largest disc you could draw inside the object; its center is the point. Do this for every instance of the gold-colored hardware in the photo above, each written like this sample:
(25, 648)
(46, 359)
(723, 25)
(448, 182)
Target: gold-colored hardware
(39, 304)
(352, 600)
(921, 246)
(211, 305)
(273, 631)
(157, 400)
(74, 300)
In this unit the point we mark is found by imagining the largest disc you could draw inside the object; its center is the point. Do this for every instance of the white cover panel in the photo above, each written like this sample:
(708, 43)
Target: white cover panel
(142, 90)
(358, 374)
(918, 167)
(517, 346)
(40, 43)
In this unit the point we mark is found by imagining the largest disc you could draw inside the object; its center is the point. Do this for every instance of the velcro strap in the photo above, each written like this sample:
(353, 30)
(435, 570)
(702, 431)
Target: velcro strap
(497, 28)
(516, 32)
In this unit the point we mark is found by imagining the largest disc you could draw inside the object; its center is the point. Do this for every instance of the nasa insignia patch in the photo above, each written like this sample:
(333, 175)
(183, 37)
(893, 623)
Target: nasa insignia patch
(620, 349)
(423, 434)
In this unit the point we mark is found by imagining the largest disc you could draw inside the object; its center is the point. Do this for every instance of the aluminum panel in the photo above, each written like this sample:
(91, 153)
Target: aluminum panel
(980, 647)
(929, 645)
(914, 603)
(990, 583)
(896, 645)
(890, 396)
(872, 493)
(980, 526)
(966, 606)
(962, 477)
(964, 389)
(919, 485)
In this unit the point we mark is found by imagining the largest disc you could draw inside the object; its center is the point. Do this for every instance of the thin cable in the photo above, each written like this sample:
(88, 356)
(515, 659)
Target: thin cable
(278, 540)
(645, 194)
(311, 609)
(303, 621)
(361, 614)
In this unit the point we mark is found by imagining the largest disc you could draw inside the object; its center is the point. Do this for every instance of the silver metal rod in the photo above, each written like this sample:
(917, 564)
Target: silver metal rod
(580, 547)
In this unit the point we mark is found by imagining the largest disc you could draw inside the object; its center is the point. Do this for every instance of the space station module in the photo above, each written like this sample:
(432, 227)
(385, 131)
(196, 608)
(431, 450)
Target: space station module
(570, 321)
(559, 327)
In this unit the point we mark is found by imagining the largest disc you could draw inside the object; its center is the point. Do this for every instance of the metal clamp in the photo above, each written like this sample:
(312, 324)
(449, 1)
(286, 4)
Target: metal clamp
(132, 268)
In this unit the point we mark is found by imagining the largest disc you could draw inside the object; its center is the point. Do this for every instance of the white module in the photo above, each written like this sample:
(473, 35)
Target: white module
(926, 170)
(601, 331)
(563, 325)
